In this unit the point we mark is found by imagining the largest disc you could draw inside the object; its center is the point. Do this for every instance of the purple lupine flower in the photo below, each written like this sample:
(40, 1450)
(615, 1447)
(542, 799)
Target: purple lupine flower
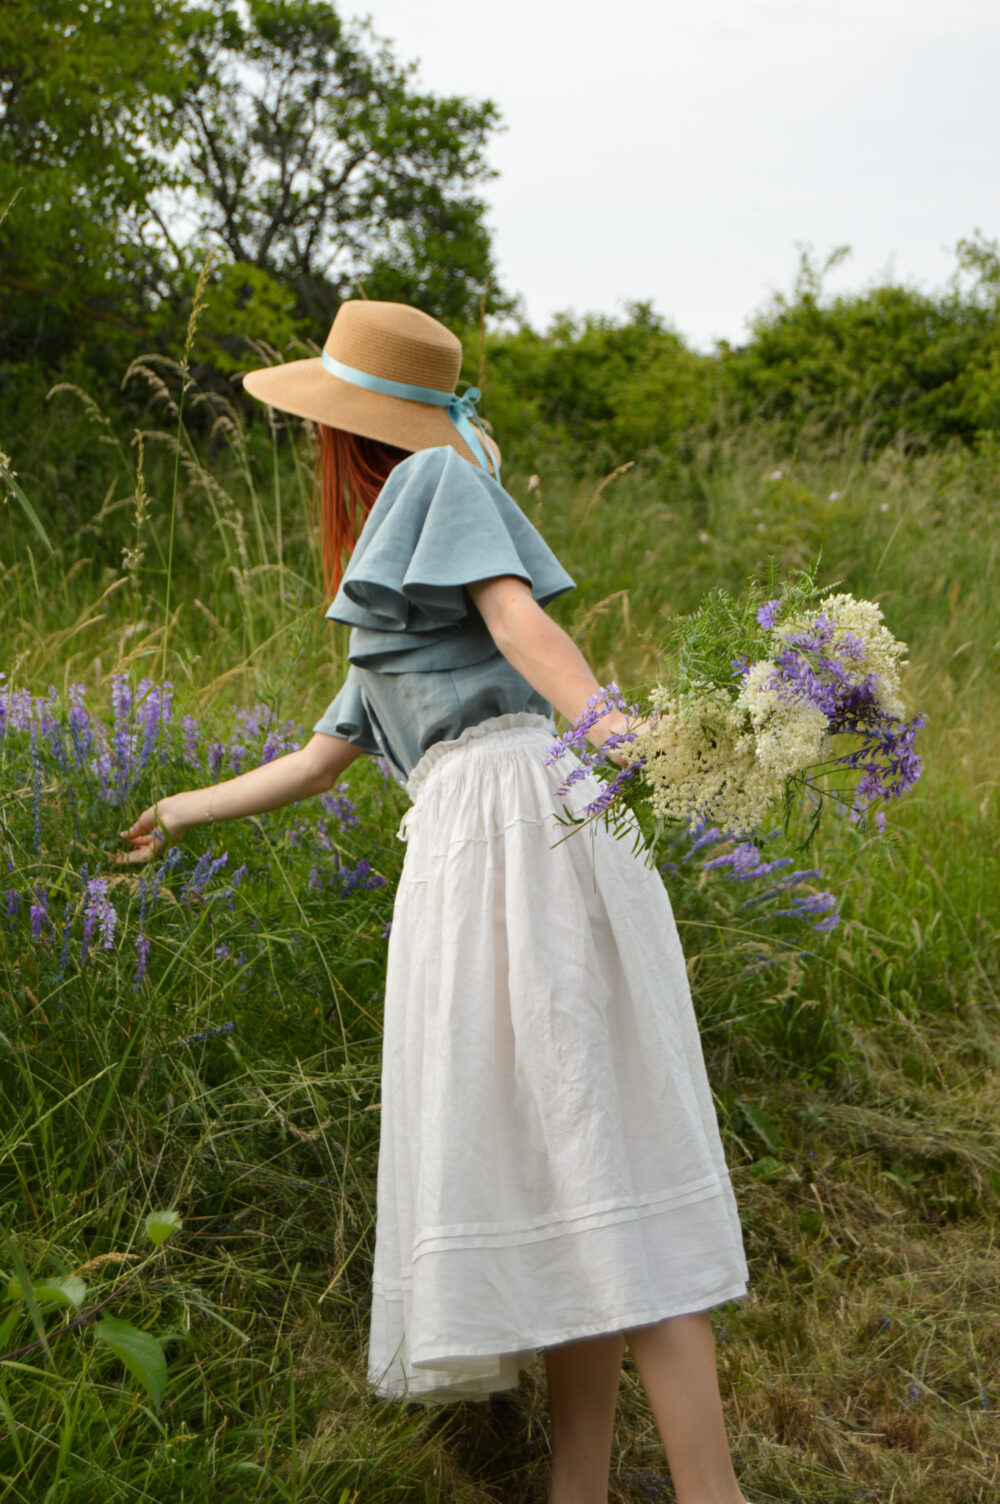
(155, 704)
(341, 808)
(16, 709)
(98, 911)
(122, 738)
(611, 790)
(203, 1034)
(216, 752)
(822, 906)
(204, 870)
(79, 723)
(37, 775)
(745, 861)
(13, 901)
(767, 614)
(50, 729)
(39, 913)
(360, 876)
(600, 703)
(101, 764)
(315, 882)
(234, 882)
(252, 722)
(189, 741)
(143, 946)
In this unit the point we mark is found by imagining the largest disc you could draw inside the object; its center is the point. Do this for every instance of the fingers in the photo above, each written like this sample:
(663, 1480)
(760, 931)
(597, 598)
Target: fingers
(145, 845)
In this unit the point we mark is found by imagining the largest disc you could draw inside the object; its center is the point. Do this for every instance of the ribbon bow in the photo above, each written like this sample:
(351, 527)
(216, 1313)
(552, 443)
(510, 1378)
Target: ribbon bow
(461, 409)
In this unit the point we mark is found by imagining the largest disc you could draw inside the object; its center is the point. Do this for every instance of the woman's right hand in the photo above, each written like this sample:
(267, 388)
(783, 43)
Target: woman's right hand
(152, 834)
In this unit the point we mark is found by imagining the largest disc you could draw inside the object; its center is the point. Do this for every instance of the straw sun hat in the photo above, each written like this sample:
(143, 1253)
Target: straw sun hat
(387, 372)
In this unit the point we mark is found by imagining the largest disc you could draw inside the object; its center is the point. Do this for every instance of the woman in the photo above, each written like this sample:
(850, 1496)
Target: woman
(550, 1170)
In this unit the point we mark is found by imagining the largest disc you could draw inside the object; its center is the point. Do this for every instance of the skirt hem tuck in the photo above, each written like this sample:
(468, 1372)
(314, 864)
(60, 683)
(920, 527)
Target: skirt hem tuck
(550, 1166)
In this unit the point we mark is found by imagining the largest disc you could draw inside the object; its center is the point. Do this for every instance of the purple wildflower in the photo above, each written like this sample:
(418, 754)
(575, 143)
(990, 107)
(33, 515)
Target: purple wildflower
(234, 882)
(203, 1034)
(50, 729)
(767, 614)
(341, 808)
(98, 911)
(155, 705)
(745, 861)
(611, 790)
(189, 741)
(387, 931)
(143, 946)
(39, 913)
(361, 876)
(315, 882)
(13, 899)
(122, 737)
(821, 906)
(204, 870)
(79, 723)
(37, 774)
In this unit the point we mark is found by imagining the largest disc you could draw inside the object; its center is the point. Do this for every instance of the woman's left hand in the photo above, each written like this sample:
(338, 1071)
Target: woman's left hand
(150, 836)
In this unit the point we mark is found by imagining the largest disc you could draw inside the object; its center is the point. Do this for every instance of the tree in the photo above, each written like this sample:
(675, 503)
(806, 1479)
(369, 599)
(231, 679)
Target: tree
(312, 156)
(135, 134)
(87, 93)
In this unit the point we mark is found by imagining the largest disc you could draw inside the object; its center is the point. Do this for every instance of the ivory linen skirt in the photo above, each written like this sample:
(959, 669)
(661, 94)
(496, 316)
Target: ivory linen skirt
(550, 1164)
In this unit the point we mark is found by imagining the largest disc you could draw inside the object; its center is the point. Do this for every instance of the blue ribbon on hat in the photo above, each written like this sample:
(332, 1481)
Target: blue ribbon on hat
(461, 410)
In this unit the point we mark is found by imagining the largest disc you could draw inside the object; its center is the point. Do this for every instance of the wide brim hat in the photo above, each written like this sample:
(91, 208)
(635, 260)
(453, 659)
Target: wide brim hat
(393, 345)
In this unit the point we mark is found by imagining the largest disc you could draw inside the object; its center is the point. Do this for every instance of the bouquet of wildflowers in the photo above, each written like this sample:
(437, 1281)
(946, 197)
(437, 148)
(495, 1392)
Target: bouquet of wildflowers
(766, 702)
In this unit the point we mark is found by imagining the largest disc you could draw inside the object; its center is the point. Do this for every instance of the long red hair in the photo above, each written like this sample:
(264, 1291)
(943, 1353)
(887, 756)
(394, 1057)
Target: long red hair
(350, 472)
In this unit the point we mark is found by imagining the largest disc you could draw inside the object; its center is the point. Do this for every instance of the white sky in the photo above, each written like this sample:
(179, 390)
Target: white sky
(680, 152)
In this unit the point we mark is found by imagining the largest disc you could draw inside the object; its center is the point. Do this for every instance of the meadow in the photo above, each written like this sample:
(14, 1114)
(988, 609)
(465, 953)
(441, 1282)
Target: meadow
(203, 1037)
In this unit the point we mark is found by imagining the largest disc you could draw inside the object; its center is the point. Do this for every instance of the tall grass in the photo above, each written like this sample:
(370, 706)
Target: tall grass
(855, 1075)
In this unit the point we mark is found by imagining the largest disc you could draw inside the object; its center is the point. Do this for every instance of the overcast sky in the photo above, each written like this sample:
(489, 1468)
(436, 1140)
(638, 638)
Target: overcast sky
(679, 153)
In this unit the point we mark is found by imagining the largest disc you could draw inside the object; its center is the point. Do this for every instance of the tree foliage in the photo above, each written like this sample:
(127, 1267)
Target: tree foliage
(135, 135)
(87, 92)
(312, 156)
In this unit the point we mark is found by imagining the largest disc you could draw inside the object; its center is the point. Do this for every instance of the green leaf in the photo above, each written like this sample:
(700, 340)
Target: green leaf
(159, 1226)
(28, 510)
(139, 1351)
(50, 1292)
(763, 1125)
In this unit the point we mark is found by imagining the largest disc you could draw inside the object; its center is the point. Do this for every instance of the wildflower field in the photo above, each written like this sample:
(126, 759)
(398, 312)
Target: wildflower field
(202, 1036)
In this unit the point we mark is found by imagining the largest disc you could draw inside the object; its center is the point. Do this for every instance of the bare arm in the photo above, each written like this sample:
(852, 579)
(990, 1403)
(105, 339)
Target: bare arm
(540, 650)
(311, 770)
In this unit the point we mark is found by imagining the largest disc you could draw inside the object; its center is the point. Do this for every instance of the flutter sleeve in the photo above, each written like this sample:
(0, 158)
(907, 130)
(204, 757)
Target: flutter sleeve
(347, 717)
(439, 524)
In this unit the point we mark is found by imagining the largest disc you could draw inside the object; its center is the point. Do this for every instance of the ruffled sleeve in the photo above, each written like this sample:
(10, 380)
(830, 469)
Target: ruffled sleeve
(438, 524)
(347, 717)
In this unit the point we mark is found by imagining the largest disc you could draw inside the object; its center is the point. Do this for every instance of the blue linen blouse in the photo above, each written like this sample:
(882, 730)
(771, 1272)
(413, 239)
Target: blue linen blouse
(423, 665)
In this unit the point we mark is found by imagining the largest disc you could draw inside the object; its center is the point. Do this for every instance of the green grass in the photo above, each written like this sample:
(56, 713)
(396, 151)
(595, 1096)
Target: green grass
(857, 1083)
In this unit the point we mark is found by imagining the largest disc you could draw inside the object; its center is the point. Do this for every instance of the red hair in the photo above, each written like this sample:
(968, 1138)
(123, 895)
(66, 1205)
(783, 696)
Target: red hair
(350, 472)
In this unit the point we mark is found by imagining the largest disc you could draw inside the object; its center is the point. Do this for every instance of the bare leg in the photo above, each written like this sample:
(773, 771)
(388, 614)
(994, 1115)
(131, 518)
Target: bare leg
(583, 1386)
(676, 1363)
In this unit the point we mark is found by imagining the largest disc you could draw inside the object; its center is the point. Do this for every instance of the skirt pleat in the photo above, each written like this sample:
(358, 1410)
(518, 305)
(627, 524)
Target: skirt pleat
(550, 1164)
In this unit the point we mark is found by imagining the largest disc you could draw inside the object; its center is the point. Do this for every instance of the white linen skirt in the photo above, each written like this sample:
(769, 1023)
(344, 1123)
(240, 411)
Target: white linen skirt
(550, 1164)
